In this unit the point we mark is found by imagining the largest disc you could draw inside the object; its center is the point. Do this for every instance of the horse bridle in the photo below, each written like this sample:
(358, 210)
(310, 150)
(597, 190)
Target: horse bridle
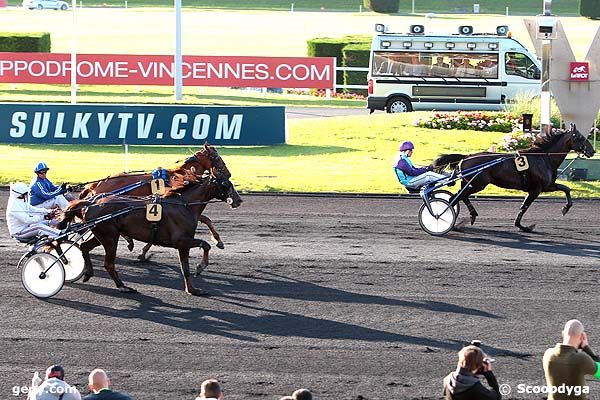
(214, 159)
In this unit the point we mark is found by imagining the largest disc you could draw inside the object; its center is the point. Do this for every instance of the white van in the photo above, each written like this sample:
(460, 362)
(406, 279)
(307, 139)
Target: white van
(465, 71)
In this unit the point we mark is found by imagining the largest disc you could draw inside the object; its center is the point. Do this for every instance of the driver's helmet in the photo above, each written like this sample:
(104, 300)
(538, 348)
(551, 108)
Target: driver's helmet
(407, 146)
(41, 166)
(18, 189)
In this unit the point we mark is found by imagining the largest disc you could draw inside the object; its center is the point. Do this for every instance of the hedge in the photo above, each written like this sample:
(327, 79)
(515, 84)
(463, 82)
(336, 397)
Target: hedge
(590, 8)
(34, 42)
(383, 6)
(356, 55)
(333, 47)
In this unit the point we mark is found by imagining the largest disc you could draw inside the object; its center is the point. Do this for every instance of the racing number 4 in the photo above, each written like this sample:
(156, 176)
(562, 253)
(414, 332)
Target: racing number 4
(153, 212)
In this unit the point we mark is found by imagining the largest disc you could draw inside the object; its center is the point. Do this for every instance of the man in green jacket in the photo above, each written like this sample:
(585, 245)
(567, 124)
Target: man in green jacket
(567, 364)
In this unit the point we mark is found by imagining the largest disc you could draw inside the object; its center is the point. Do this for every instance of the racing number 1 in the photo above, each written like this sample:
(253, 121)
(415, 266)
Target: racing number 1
(153, 212)
(158, 186)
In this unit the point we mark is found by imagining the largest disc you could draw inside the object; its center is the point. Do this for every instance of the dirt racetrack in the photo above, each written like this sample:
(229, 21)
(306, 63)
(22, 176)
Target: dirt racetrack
(344, 295)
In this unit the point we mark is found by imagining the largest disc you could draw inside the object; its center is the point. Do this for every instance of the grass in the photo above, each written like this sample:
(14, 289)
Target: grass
(530, 7)
(346, 154)
(164, 95)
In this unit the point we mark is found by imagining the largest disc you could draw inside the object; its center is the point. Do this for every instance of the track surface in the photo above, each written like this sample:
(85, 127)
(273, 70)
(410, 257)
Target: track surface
(346, 296)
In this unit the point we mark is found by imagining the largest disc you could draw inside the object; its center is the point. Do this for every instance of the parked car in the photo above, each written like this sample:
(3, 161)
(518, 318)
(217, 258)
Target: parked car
(42, 4)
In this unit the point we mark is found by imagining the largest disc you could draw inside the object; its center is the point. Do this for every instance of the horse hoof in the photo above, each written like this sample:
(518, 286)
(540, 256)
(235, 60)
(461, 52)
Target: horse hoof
(130, 246)
(141, 257)
(196, 292)
(473, 218)
(200, 268)
(86, 277)
(127, 289)
(565, 210)
(220, 245)
(527, 229)
(459, 227)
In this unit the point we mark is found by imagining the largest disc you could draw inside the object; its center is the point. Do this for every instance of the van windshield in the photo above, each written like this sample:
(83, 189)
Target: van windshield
(435, 64)
(520, 65)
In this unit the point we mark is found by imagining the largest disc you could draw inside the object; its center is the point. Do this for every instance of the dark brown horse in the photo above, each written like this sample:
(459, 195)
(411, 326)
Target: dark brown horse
(206, 159)
(543, 159)
(176, 229)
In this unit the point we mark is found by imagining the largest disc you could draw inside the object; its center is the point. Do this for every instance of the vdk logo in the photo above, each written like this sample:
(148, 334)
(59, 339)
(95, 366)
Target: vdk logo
(580, 71)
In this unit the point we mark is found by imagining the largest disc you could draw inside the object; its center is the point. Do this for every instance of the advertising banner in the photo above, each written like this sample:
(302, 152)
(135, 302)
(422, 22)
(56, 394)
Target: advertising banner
(119, 69)
(141, 125)
(580, 71)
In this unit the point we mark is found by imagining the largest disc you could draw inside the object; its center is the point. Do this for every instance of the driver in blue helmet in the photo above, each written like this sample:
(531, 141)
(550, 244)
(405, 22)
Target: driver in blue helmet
(43, 193)
(408, 174)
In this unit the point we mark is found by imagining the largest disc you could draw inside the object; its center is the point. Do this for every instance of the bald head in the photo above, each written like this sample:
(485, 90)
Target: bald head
(98, 380)
(573, 333)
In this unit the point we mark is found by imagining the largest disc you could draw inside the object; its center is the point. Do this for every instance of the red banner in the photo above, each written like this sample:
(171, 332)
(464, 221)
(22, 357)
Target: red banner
(119, 69)
(580, 71)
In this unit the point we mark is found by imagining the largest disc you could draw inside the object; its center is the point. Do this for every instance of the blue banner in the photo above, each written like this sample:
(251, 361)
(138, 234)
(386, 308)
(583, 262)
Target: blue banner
(141, 125)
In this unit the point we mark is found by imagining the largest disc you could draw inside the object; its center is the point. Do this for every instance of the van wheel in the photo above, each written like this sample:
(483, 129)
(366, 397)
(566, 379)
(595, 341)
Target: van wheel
(64, 7)
(398, 105)
(40, 7)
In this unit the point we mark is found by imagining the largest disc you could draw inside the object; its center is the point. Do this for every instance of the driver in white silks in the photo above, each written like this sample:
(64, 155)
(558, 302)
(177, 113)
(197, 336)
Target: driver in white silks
(24, 220)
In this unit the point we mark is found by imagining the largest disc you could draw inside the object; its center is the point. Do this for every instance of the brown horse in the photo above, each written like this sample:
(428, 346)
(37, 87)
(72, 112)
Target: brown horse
(206, 159)
(176, 229)
(543, 160)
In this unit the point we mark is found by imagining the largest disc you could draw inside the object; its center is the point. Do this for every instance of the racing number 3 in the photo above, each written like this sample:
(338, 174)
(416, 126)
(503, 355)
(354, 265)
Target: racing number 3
(153, 212)
(521, 163)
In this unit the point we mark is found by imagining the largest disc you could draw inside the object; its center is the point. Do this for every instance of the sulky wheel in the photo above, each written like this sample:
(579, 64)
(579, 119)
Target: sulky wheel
(42, 275)
(442, 220)
(446, 195)
(72, 260)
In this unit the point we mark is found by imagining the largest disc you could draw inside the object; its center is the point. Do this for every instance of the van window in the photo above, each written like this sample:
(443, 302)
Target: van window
(435, 64)
(520, 65)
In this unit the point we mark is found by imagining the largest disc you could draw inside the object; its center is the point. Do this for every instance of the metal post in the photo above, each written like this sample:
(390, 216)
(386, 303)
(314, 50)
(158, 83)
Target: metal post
(74, 54)
(292, 8)
(178, 58)
(126, 157)
(413, 6)
(546, 125)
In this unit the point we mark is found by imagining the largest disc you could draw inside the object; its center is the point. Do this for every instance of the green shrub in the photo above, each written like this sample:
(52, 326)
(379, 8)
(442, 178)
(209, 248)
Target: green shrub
(34, 42)
(383, 6)
(356, 55)
(590, 8)
(527, 104)
(333, 47)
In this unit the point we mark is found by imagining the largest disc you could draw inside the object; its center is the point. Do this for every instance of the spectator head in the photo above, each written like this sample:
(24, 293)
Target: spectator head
(55, 371)
(302, 394)
(471, 358)
(573, 333)
(211, 389)
(98, 380)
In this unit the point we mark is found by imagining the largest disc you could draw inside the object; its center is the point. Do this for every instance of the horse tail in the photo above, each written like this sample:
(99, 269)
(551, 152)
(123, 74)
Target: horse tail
(72, 211)
(447, 161)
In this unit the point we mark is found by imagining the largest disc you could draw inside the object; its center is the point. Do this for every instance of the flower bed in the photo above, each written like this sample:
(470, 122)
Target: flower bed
(517, 140)
(477, 121)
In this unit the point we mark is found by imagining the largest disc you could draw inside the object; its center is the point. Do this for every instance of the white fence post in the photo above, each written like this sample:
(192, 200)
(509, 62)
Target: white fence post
(292, 8)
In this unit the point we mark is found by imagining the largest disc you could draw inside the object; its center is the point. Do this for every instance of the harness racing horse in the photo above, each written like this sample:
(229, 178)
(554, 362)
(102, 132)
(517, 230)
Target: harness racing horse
(543, 160)
(176, 228)
(206, 159)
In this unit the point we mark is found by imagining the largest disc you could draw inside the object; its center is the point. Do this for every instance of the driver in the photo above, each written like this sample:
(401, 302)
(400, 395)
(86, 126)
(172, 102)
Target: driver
(409, 176)
(44, 193)
(24, 220)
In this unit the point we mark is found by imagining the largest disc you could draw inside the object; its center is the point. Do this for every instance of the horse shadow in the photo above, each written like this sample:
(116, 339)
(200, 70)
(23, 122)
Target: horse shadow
(269, 284)
(251, 322)
(532, 242)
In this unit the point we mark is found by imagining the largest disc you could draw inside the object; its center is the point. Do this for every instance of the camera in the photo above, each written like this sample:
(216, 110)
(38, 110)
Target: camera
(546, 27)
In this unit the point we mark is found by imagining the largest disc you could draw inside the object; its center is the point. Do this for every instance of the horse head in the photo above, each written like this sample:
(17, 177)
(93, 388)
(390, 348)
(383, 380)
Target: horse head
(206, 188)
(207, 159)
(226, 191)
(580, 143)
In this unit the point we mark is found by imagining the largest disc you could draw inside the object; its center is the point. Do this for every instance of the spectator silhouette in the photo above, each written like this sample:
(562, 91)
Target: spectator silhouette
(302, 394)
(99, 383)
(569, 362)
(210, 390)
(464, 384)
(54, 386)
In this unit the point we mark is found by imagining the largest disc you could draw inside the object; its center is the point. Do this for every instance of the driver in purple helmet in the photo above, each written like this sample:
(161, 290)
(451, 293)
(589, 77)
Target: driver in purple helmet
(408, 174)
